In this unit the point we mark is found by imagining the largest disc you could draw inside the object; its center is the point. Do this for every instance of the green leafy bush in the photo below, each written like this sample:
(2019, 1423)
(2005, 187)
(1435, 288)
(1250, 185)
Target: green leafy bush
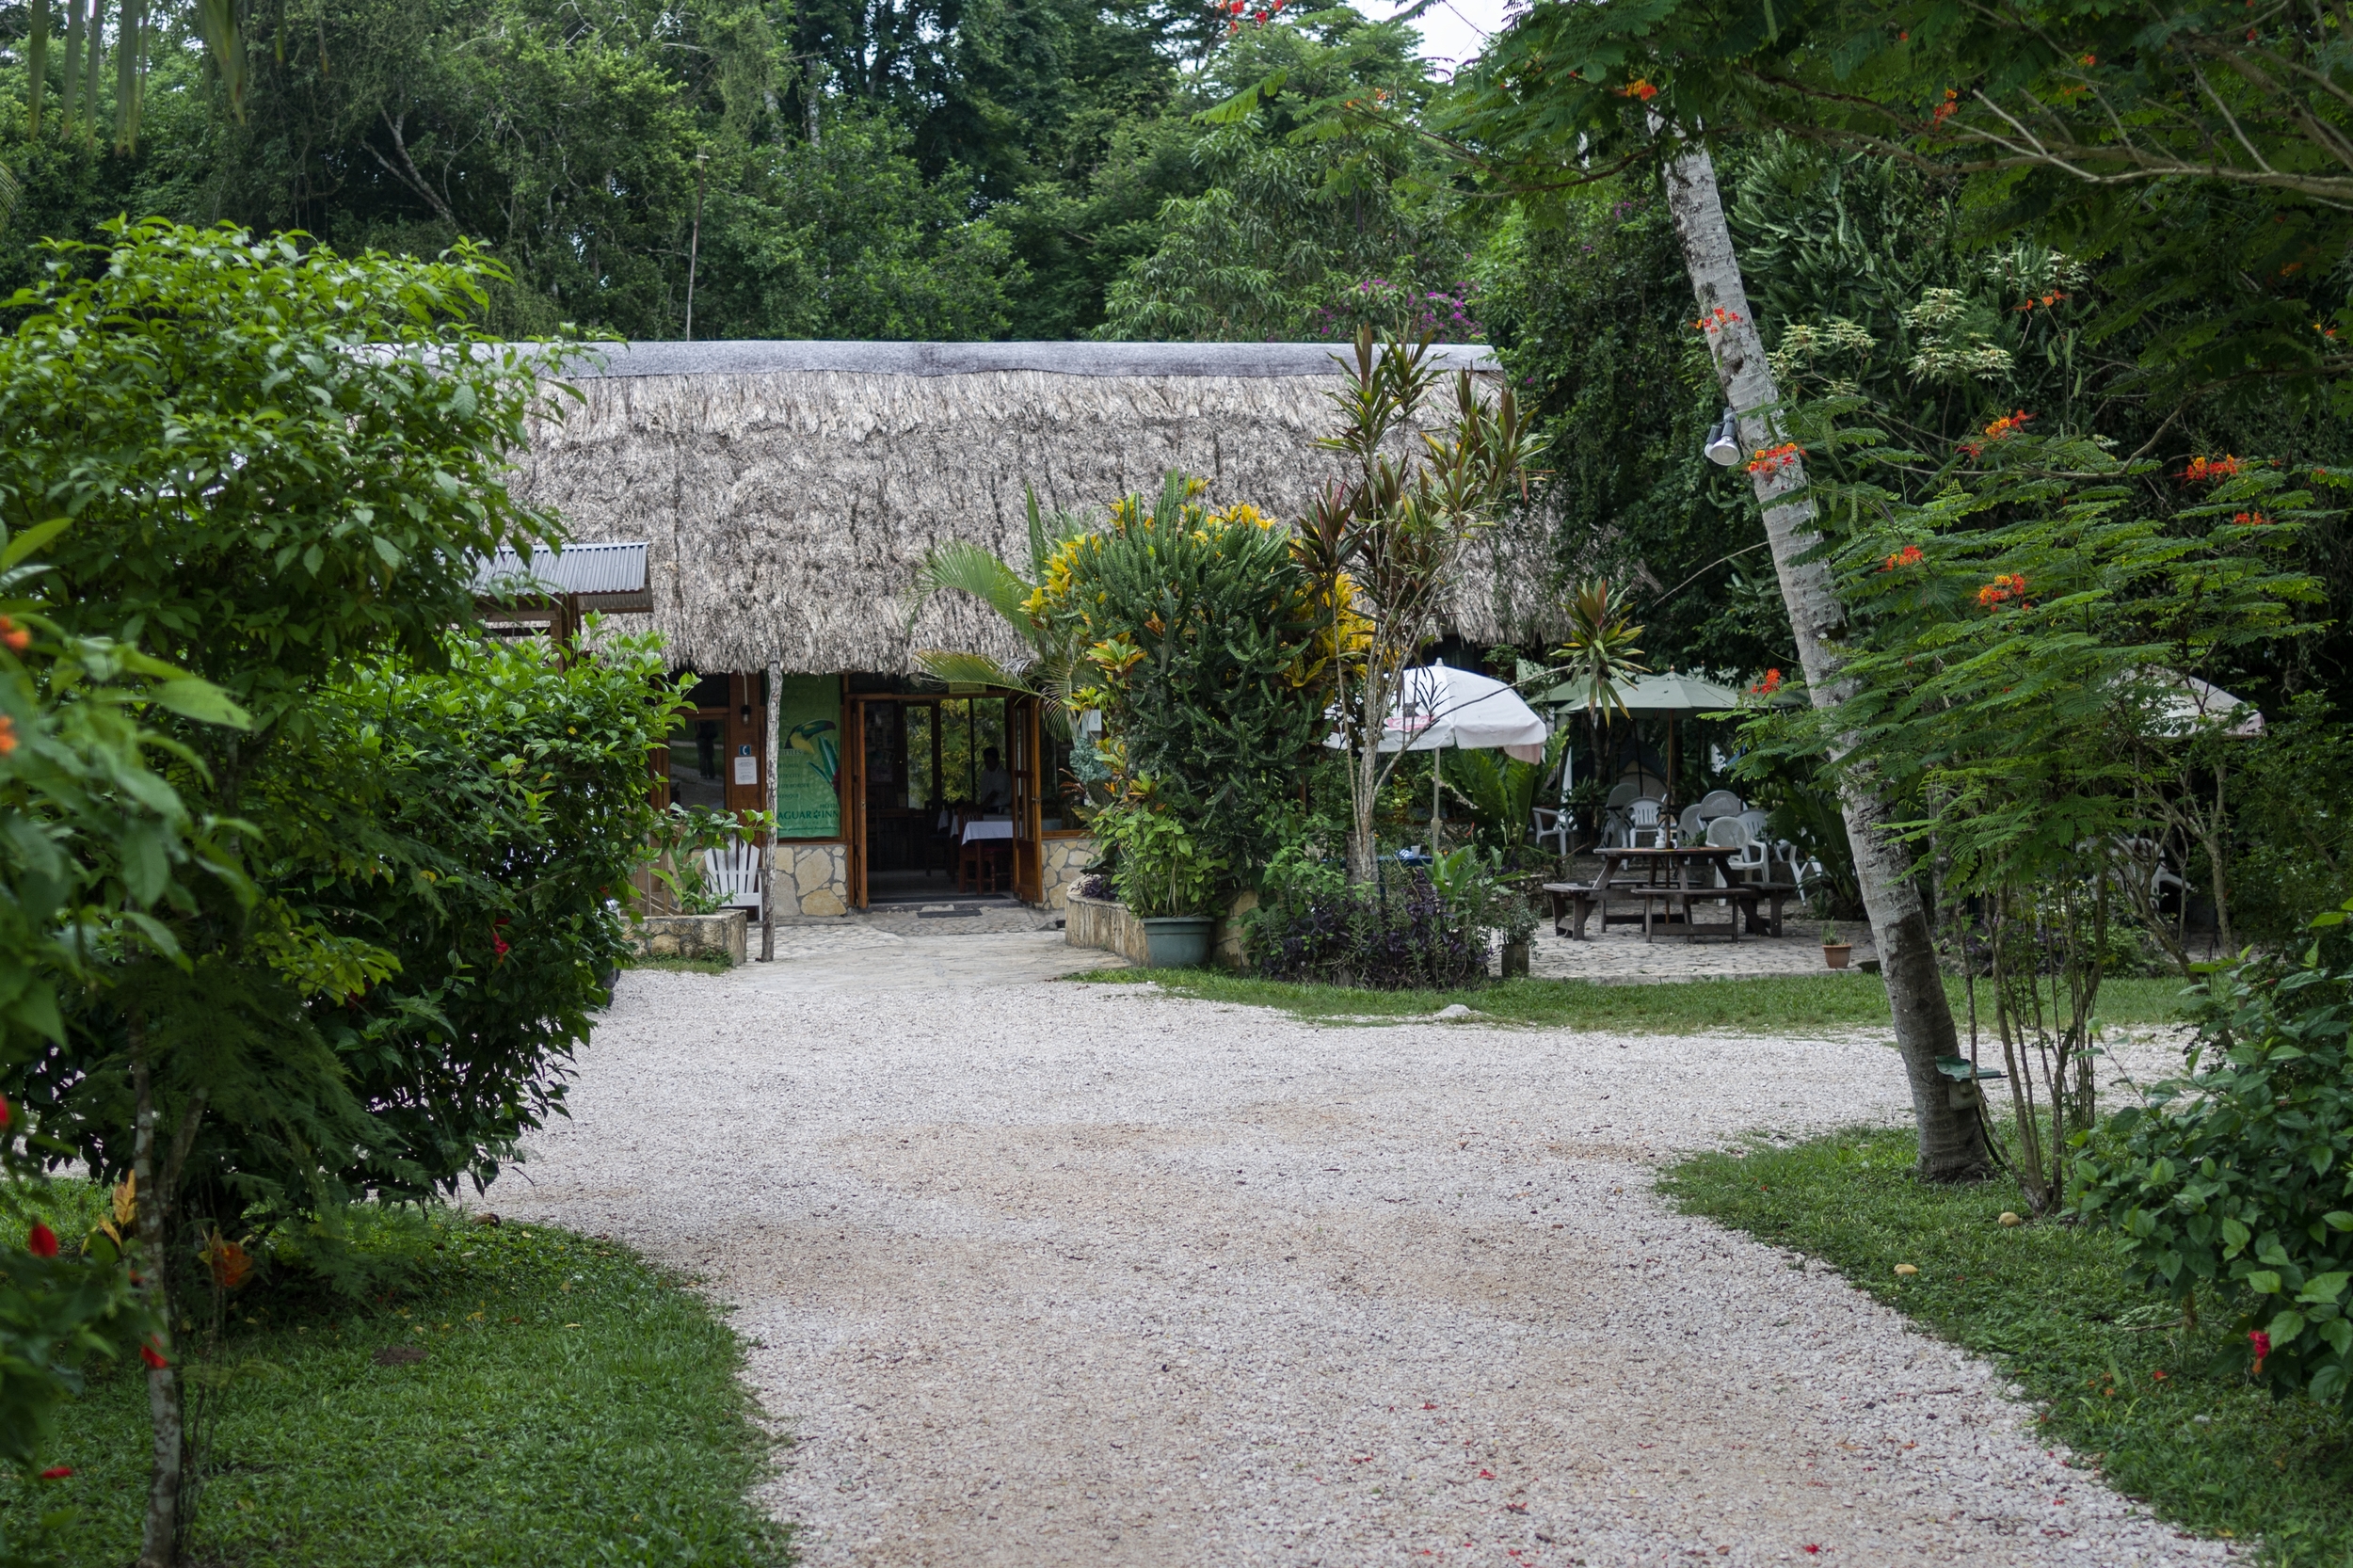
(1159, 866)
(2235, 1181)
(1202, 648)
(1409, 929)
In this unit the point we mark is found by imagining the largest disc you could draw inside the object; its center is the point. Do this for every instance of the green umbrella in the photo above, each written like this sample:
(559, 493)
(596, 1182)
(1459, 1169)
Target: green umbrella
(1668, 694)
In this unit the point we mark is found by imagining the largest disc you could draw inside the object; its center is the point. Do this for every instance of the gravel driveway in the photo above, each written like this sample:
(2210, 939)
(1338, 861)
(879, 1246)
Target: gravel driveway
(1049, 1273)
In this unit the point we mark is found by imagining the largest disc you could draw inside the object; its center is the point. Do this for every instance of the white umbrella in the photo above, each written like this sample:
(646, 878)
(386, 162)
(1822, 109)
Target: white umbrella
(1670, 692)
(1442, 706)
(2188, 705)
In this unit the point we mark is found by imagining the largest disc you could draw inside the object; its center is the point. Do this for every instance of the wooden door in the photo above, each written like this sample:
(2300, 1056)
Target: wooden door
(1022, 737)
(852, 779)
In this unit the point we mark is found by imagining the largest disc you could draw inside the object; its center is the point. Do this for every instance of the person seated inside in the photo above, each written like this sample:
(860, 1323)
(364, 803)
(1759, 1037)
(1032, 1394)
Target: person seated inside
(995, 784)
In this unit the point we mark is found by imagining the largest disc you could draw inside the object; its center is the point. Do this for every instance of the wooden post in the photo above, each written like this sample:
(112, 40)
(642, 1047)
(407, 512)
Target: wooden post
(771, 754)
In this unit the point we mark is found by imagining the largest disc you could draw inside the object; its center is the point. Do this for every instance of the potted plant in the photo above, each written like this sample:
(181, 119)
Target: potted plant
(1167, 880)
(1835, 948)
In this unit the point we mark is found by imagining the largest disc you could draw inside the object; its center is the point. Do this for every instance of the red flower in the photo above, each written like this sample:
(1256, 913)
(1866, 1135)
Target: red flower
(2210, 468)
(14, 636)
(154, 1357)
(1767, 686)
(1908, 556)
(1944, 112)
(1638, 89)
(6, 1115)
(40, 1240)
(2250, 520)
(7, 734)
(1772, 459)
(2262, 1342)
(56, 1472)
(2002, 589)
(1716, 320)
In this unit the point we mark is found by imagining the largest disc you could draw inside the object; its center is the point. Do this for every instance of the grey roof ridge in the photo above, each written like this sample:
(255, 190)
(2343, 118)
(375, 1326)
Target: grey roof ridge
(755, 357)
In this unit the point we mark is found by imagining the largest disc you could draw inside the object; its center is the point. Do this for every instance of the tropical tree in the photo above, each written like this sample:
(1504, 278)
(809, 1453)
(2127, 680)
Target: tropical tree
(1385, 543)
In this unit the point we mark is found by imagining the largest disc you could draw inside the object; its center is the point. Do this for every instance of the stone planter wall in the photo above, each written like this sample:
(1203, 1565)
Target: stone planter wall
(720, 935)
(1094, 922)
(1063, 863)
(1098, 922)
(809, 880)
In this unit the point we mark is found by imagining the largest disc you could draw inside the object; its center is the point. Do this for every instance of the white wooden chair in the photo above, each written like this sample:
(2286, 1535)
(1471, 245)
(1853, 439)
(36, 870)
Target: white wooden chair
(733, 873)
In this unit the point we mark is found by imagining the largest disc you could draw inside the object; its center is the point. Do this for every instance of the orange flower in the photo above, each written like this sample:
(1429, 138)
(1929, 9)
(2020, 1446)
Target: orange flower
(1772, 459)
(1715, 320)
(1638, 88)
(2089, 60)
(2003, 589)
(1945, 110)
(2250, 520)
(1767, 686)
(154, 1357)
(14, 636)
(2210, 468)
(7, 734)
(1908, 556)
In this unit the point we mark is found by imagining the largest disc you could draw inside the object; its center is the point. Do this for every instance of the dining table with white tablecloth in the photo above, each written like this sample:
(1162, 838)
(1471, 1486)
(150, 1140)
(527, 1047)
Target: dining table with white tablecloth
(980, 828)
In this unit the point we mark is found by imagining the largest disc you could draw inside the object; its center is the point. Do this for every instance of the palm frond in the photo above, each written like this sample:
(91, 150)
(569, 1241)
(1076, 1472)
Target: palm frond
(971, 669)
(962, 568)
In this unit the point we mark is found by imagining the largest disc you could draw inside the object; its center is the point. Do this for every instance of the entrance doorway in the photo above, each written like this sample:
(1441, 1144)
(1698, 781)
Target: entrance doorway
(941, 797)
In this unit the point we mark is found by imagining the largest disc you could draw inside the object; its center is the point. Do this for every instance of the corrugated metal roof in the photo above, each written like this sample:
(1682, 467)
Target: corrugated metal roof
(596, 573)
(753, 358)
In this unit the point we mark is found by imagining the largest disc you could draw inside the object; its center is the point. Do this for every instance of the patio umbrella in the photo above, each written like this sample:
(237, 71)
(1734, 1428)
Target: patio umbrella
(2190, 704)
(1670, 693)
(1441, 706)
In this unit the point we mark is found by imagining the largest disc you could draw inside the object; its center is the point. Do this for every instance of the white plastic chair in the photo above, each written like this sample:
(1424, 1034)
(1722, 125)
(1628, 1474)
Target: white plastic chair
(1553, 825)
(1720, 802)
(1755, 822)
(1643, 828)
(1733, 834)
(733, 873)
(1693, 825)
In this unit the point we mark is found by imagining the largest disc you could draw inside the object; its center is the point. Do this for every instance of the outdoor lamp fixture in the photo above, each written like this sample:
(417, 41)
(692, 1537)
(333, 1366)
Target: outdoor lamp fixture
(1723, 440)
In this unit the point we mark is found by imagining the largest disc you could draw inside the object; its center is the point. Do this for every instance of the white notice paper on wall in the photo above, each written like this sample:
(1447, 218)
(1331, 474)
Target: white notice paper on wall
(747, 769)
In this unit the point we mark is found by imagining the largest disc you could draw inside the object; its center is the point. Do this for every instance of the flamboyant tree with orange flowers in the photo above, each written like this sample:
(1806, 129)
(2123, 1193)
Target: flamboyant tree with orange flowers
(2027, 648)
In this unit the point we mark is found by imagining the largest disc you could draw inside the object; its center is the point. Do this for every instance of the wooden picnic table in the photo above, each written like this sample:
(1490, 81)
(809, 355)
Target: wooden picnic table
(1657, 880)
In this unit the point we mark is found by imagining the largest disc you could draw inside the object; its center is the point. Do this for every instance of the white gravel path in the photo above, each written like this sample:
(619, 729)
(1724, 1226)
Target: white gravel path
(1043, 1274)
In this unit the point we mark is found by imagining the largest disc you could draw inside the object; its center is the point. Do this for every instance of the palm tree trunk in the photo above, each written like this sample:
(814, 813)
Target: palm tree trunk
(1952, 1145)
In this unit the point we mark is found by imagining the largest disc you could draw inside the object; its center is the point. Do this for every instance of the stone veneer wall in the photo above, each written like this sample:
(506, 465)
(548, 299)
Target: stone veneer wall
(810, 879)
(1065, 863)
(1099, 922)
(720, 935)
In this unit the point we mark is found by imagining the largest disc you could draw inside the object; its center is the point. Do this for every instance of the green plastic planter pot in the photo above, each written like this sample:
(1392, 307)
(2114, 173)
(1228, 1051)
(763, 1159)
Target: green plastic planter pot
(1177, 942)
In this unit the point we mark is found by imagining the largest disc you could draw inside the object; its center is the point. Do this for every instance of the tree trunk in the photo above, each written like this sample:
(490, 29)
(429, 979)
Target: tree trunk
(130, 54)
(159, 1536)
(35, 69)
(1952, 1145)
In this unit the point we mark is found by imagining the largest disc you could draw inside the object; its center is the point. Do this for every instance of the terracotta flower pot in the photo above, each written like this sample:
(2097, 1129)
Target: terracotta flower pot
(1836, 953)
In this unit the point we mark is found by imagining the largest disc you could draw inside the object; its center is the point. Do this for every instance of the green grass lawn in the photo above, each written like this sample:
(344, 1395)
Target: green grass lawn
(2050, 1304)
(572, 1405)
(1758, 1004)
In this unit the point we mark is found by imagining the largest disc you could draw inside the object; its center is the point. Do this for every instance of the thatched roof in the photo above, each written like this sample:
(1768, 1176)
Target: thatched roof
(788, 490)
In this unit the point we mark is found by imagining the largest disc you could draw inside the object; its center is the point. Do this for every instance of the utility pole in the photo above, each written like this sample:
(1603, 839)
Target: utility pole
(1952, 1140)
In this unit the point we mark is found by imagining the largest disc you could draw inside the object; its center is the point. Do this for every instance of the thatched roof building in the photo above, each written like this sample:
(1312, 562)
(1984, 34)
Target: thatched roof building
(788, 490)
